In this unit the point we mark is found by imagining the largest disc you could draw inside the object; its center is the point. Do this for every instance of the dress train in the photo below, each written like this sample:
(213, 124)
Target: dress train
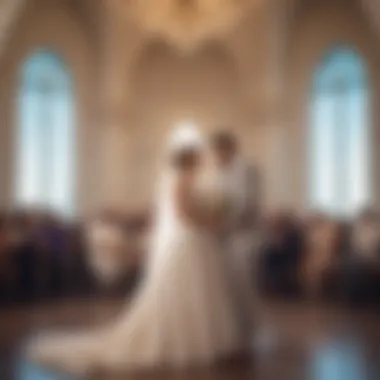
(183, 315)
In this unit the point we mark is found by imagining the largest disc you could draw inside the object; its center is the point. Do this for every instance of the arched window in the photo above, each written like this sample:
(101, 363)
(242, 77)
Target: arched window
(45, 134)
(339, 134)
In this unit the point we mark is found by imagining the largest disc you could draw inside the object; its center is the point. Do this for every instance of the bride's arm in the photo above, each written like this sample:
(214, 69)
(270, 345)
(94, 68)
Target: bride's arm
(188, 206)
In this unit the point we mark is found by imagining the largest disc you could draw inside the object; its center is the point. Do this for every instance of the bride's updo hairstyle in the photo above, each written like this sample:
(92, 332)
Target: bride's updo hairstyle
(184, 158)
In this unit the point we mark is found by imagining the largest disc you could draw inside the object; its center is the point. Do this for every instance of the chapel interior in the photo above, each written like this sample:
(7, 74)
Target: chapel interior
(135, 73)
(90, 93)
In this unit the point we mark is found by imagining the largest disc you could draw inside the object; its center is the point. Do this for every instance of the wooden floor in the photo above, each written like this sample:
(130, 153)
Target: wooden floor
(294, 342)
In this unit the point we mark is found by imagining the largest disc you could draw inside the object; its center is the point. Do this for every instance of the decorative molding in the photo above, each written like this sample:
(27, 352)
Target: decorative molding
(9, 12)
(186, 23)
(372, 11)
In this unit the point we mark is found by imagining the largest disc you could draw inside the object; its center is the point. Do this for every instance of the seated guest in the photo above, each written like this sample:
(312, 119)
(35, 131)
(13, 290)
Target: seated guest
(23, 255)
(6, 267)
(106, 248)
(78, 277)
(366, 237)
(361, 270)
(280, 256)
(51, 237)
(322, 250)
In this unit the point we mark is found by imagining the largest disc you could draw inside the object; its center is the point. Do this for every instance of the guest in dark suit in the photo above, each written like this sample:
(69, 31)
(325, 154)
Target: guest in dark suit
(51, 237)
(361, 267)
(320, 267)
(280, 256)
(24, 255)
(78, 280)
(6, 267)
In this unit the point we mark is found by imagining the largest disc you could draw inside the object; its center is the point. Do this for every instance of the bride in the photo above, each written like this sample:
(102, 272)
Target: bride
(183, 313)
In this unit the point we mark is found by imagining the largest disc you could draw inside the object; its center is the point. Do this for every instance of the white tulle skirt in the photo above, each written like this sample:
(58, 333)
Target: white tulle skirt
(183, 315)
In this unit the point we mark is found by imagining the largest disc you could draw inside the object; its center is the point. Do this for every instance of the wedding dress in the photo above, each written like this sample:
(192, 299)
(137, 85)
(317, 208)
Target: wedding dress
(183, 314)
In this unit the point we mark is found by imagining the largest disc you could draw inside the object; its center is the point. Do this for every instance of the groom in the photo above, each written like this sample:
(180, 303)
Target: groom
(239, 181)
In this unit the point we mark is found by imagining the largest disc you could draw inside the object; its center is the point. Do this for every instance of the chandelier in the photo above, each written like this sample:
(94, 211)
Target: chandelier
(186, 23)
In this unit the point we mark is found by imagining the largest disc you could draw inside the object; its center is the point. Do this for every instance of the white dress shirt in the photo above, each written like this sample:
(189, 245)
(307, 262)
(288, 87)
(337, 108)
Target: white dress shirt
(236, 179)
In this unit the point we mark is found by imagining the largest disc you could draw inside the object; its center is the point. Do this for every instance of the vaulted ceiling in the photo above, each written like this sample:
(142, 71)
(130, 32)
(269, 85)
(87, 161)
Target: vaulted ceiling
(11, 9)
(88, 12)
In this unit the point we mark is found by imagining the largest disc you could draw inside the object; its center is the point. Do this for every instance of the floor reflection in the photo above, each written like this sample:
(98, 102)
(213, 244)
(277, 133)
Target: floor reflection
(296, 343)
(339, 360)
(28, 371)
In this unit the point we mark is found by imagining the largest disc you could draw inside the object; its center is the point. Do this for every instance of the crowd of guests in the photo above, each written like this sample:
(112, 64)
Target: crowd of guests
(322, 258)
(44, 257)
(37, 255)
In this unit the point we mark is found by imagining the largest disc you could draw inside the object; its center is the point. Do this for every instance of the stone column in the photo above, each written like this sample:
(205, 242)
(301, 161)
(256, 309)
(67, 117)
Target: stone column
(116, 144)
(279, 172)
